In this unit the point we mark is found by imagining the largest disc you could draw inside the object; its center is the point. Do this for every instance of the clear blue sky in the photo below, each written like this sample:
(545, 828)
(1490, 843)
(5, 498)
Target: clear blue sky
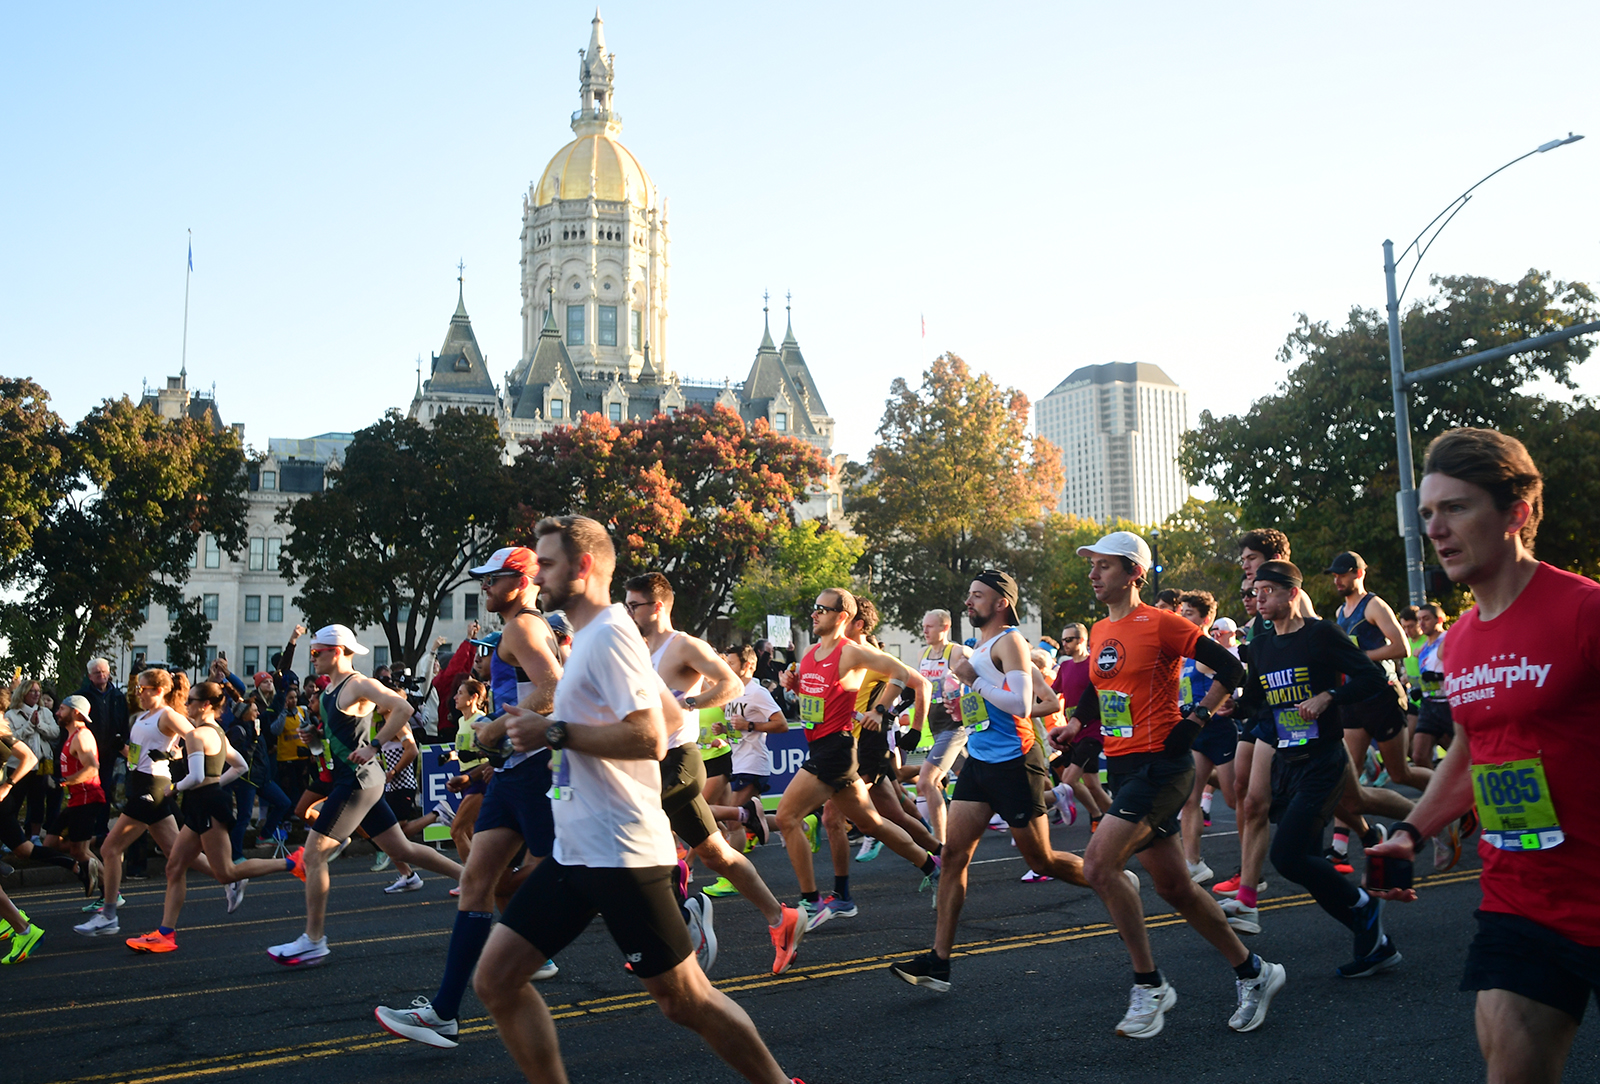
(1051, 185)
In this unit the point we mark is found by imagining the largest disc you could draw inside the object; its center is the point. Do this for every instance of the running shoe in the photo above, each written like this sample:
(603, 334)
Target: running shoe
(5, 924)
(234, 890)
(1386, 957)
(1447, 848)
(1032, 878)
(931, 880)
(22, 945)
(1469, 823)
(925, 970)
(301, 952)
(720, 887)
(1065, 805)
(808, 913)
(1255, 996)
(1367, 925)
(412, 883)
(755, 821)
(811, 827)
(100, 904)
(834, 907)
(382, 862)
(1094, 824)
(297, 862)
(443, 810)
(702, 936)
(1230, 887)
(547, 970)
(337, 851)
(1147, 1011)
(786, 936)
(1341, 862)
(1243, 919)
(154, 941)
(997, 823)
(418, 1023)
(869, 850)
(98, 926)
(1199, 872)
(1132, 877)
(456, 892)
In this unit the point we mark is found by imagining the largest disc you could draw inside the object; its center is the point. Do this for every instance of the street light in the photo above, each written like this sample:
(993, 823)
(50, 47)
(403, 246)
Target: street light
(1410, 525)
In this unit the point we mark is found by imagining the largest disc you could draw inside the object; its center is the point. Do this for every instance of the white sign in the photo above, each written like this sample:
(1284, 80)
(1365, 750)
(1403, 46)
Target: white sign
(779, 632)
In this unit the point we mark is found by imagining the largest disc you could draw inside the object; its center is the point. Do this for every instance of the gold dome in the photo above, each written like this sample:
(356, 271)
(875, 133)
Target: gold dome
(617, 173)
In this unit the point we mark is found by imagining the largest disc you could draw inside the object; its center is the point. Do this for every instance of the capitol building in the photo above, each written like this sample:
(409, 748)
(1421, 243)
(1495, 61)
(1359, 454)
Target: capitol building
(596, 272)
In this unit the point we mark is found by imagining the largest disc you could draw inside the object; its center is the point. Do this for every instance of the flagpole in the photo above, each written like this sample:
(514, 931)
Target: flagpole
(183, 369)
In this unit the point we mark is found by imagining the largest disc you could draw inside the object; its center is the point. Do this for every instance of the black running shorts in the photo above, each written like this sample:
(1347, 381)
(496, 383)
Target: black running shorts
(1014, 788)
(1153, 793)
(832, 759)
(206, 807)
(556, 904)
(683, 784)
(1516, 954)
(1218, 740)
(1383, 716)
(721, 764)
(874, 761)
(149, 797)
(1086, 754)
(1434, 718)
(348, 807)
(77, 823)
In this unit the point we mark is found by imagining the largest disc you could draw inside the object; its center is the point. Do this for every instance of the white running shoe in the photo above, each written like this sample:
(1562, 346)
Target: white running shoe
(1065, 805)
(1147, 1011)
(419, 1023)
(1255, 995)
(701, 934)
(406, 884)
(1132, 876)
(98, 926)
(444, 812)
(234, 890)
(548, 971)
(1241, 918)
(301, 952)
(1034, 878)
(1199, 872)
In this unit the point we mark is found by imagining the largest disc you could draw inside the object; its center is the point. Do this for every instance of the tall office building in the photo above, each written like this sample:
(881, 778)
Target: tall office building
(1119, 426)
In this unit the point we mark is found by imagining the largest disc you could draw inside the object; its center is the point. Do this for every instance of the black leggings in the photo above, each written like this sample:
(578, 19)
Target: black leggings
(1304, 794)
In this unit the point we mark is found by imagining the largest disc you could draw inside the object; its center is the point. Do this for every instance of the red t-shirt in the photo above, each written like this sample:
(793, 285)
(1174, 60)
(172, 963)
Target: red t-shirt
(1136, 661)
(1525, 685)
(825, 708)
(1071, 679)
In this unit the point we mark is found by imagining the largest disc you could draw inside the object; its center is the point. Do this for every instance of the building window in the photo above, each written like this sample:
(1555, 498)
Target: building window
(274, 651)
(211, 654)
(252, 607)
(252, 660)
(380, 657)
(614, 412)
(208, 603)
(269, 479)
(258, 554)
(140, 651)
(404, 617)
(558, 409)
(275, 609)
(470, 610)
(780, 422)
(213, 554)
(274, 552)
(447, 608)
(194, 558)
(144, 612)
(605, 325)
(574, 325)
(638, 330)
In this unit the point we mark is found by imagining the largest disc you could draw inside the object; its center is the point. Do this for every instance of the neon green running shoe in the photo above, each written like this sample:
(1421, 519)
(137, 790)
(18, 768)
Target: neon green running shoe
(22, 944)
(719, 888)
(811, 826)
(5, 924)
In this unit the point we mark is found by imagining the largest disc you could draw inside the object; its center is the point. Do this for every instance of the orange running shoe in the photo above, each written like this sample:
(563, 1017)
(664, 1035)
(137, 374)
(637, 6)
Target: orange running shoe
(154, 941)
(1230, 887)
(297, 862)
(786, 937)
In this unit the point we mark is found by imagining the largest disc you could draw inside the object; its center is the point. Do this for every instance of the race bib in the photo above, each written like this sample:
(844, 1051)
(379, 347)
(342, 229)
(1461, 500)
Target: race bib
(811, 710)
(133, 756)
(1116, 714)
(974, 711)
(560, 776)
(1513, 801)
(1292, 729)
(1185, 691)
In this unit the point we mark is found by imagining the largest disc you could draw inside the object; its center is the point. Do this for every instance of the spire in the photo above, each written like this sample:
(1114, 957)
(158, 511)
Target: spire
(419, 376)
(596, 78)
(550, 308)
(788, 304)
(461, 291)
(647, 371)
(766, 326)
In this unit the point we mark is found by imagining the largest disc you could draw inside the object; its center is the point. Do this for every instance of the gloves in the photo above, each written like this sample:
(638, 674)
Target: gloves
(1182, 737)
(907, 740)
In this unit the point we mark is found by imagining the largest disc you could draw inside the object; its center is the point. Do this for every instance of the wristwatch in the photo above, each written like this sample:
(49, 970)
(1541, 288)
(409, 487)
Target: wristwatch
(555, 735)
(689, 702)
(1200, 714)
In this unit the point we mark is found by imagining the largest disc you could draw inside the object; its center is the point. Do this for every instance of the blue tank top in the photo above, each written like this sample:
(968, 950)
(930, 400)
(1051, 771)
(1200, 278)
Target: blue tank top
(994, 735)
(1362, 632)
(1192, 684)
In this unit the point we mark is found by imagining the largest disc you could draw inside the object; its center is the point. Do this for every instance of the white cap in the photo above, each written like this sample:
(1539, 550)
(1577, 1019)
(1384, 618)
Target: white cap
(512, 558)
(1120, 544)
(338, 636)
(1224, 624)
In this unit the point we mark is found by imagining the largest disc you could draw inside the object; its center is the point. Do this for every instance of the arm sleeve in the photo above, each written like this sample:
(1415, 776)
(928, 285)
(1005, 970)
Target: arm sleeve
(1088, 706)
(1250, 701)
(1016, 698)
(1209, 653)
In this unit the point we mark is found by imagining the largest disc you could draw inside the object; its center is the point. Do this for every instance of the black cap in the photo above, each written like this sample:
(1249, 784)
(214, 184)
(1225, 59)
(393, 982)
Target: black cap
(1348, 561)
(1283, 572)
(1003, 584)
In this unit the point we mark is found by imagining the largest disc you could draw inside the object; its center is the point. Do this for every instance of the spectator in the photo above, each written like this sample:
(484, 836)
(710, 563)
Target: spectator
(768, 668)
(108, 721)
(33, 722)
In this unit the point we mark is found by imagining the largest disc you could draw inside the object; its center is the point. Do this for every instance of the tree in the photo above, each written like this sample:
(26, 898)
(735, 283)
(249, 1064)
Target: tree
(408, 512)
(955, 484)
(1316, 458)
(802, 562)
(137, 493)
(1198, 551)
(696, 495)
(31, 436)
(189, 634)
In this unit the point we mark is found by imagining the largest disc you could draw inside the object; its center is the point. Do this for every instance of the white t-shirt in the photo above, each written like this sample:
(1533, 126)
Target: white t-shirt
(609, 814)
(754, 705)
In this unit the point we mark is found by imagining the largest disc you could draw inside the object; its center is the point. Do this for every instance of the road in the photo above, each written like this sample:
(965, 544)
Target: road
(1039, 984)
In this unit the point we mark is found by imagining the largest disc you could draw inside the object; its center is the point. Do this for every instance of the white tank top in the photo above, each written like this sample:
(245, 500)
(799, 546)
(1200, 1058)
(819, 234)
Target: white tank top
(144, 735)
(686, 727)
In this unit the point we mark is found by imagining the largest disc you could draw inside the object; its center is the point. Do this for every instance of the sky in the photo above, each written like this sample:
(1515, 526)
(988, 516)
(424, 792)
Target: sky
(1042, 186)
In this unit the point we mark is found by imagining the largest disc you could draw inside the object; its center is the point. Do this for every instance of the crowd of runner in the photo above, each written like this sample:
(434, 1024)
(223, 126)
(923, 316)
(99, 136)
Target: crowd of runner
(601, 753)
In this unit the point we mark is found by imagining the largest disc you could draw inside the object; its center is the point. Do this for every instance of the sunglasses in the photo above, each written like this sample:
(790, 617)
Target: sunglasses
(820, 608)
(1247, 594)
(631, 606)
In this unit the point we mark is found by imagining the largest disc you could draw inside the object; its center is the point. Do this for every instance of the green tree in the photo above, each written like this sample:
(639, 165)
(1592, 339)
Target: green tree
(955, 484)
(31, 437)
(1316, 458)
(401, 521)
(696, 495)
(137, 494)
(190, 632)
(1198, 549)
(801, 562)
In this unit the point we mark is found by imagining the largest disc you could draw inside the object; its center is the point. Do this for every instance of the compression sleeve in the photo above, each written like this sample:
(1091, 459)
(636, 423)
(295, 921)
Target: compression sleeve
(1016, 698)
(197, 772)
(1088, 710)
(236, 767)
(1209, 653)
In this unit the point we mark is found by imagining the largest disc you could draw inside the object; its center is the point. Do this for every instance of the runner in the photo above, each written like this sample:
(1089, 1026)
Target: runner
(949, 736)
(699, 678)
(1135, 658)
(19, 761)
(208, 813)
(153, 740)
(77, 822)
(1079, 762)
(1520, 668)
(752, 716)
(827, 681)
(613, 852)
(356, 798)
(1217, 744)
(1295, 673)
(515, 810)
(1434, 724)
(1006, 771)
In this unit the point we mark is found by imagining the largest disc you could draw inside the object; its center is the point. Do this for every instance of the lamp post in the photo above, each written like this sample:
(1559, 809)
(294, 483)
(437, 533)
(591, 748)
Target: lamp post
(1410, 523)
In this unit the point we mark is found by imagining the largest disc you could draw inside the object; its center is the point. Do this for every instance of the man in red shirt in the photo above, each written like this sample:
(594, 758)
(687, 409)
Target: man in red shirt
(1520, 670)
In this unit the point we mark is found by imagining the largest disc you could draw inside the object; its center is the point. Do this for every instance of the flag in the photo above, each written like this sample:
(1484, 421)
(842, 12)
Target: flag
(191, 255)
(924, 326)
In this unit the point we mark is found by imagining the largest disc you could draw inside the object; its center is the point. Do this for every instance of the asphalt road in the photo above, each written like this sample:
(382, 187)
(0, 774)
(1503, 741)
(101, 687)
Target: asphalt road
(1037, 992)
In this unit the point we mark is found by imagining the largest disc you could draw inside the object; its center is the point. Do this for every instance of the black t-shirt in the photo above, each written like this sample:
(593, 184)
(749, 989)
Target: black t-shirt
(1287, 670)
